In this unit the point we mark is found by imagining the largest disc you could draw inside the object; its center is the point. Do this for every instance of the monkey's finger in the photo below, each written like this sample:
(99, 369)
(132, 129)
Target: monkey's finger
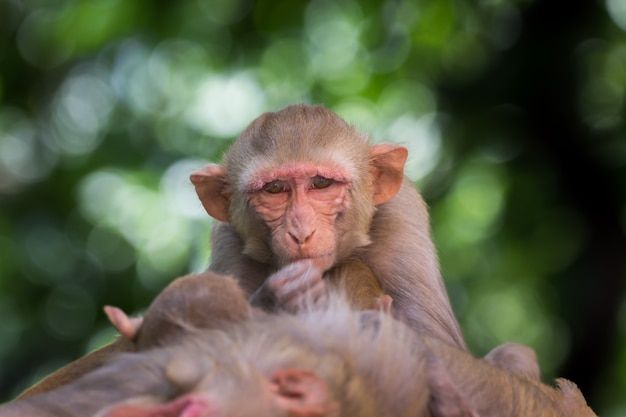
(318, 291)
(292, 291)
(322, 300)
(299, 284)
(315, 295)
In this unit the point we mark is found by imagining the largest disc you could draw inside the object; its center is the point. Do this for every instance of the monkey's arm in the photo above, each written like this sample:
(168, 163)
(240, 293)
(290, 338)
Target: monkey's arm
(359, 285)
(227, 257)
(492, 391)
(403, 258)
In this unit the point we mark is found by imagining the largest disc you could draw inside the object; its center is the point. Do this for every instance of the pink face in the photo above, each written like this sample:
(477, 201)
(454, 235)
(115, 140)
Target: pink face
(300, 204)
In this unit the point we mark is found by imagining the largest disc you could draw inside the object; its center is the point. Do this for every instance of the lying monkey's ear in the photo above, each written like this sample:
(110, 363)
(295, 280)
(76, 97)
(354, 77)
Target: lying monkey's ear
(212, 189)
(128, 327)
(387, 169)
(301, 393)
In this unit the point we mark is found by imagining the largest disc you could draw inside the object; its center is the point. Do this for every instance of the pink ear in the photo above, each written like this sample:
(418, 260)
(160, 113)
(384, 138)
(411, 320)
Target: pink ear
(302, 393)
(212, 189)
(128, 327)
(387, 168)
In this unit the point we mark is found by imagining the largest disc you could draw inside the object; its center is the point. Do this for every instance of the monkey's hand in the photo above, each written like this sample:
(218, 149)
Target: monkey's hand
(294, 287)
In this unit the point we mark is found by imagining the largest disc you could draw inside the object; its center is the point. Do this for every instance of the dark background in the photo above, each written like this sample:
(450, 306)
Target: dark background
(513, 112)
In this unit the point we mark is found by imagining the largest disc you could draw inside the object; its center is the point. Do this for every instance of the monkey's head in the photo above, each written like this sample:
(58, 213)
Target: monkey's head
(301, 183)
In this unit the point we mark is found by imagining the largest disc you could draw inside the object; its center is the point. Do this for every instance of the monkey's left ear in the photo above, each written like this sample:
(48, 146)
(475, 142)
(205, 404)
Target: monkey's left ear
(212, 189)
(387, 169)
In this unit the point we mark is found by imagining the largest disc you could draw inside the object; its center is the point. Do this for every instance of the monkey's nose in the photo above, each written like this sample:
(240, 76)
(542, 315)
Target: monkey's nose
(301, 238)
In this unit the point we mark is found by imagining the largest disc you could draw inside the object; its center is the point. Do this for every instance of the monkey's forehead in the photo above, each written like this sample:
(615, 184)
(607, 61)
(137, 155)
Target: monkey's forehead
(299, 132)
(295, 139)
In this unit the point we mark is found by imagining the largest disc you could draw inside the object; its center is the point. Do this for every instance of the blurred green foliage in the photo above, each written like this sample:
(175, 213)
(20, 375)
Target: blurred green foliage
(512, 111)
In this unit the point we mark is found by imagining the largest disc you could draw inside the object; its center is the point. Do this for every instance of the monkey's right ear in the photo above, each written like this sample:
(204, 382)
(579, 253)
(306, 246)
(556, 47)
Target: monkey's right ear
(212, 189)
(387, 168)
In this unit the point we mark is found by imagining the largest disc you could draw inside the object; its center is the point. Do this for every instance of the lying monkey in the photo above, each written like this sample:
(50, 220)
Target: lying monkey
(188, 298)
(332, 361)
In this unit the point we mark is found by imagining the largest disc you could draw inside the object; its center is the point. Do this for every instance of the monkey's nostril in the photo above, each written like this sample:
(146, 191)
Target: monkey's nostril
(294, 238)
(300, 238)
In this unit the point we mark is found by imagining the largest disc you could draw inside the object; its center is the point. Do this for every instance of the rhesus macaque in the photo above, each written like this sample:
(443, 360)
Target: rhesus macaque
(332, 361)
(299, 192)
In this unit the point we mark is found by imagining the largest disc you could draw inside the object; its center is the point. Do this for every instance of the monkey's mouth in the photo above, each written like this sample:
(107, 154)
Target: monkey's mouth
(301, 257)
(324, 261)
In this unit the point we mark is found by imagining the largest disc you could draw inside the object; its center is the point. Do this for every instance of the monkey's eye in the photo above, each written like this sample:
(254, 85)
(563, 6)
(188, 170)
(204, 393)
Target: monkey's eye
(274, 187)
(320, 182)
